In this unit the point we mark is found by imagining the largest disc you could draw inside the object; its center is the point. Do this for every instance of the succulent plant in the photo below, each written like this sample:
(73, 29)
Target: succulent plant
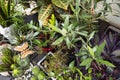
(37, 74)
(13, 63)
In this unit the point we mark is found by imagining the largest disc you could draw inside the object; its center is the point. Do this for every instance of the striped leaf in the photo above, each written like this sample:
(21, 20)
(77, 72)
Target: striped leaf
(44, 14)
(61, 3)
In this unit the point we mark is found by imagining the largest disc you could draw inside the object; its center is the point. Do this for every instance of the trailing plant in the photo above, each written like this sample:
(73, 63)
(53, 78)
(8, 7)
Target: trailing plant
(37, 74)
(111, 51)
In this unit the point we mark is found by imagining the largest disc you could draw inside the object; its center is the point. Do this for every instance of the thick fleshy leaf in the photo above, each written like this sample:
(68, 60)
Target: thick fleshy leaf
(44, 14)
(61, 3)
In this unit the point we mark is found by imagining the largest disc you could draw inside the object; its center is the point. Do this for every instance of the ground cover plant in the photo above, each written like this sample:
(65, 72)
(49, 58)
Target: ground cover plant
(63, 44)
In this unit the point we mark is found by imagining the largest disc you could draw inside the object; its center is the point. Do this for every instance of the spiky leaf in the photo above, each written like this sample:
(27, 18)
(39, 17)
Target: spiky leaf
(7, 60)
(7, 52)
(4, 67)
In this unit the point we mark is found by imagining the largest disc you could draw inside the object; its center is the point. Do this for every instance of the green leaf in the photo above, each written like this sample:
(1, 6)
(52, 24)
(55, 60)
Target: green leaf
(58, 41)
(61, 3)
(86, 62)
(41, 75)
(29, 35)
(17, 72)
(23, 63)
(54, 28)
(35, 70)
(7, 52)
(31, 26)
(7, 60)
(66, 23)
(36, 33)
(83, 33)
(63, 32)
(107, 63)
(33, 78)
(91, 35)
(85, 16)
(36, 41)
(100, 48)
(91, 52)
(51, 74)
(80, 73)
(4, 67)
(68, 42)
(72, 64)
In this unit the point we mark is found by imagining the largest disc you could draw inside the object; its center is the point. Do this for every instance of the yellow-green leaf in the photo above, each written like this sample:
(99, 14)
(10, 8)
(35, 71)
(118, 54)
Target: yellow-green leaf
(61, 3)
(86, 62)
(44, 14)
(91, 51)
(54, 28)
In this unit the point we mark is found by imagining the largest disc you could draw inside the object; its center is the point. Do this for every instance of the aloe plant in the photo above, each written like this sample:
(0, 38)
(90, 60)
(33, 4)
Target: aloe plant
(7, 60)
(5, 12)
(8, 15)
(12, 62)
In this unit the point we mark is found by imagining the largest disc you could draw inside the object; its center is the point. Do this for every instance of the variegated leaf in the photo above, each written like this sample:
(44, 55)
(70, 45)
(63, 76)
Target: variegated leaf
(61, 3)
(44, 14)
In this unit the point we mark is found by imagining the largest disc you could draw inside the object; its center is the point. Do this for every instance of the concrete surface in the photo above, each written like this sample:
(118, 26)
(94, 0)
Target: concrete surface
(110, 18)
